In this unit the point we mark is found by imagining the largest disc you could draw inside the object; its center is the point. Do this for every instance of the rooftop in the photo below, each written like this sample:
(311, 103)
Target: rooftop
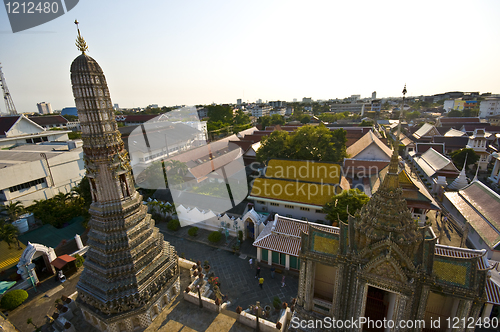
(480, 206)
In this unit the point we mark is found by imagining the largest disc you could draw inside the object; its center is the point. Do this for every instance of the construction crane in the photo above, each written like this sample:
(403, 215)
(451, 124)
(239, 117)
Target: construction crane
(11, 109)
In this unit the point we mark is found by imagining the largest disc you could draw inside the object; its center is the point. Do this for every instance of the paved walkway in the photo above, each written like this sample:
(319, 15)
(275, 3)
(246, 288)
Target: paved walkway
(237, 280)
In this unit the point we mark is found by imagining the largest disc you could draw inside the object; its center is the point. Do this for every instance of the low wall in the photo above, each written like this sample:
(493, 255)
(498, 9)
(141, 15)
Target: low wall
(264, 325)
(243, 318)
(185, 263)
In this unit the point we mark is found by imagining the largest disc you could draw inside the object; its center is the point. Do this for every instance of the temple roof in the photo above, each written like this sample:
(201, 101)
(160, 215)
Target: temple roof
(479, 205)
(365, 142)
(283, 234)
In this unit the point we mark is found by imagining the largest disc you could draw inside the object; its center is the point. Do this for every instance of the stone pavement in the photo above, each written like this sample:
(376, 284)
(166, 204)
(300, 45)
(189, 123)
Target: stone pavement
(237, 280)
(42, 303)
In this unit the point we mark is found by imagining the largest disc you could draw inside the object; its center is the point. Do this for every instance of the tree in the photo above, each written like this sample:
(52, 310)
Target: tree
(341, 205)
(220, 113)
(13, 209)
(454, 114)
(264, 121)
(241, 118)
(458, 157)
(8, 233)
(274, 146)
(365, 123)
(305, 119)
(412, 115)
(83, 190)
(277, 119)
(306, 143)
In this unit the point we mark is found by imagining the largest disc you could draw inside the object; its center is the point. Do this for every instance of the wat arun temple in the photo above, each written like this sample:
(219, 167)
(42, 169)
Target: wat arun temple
(130, 273)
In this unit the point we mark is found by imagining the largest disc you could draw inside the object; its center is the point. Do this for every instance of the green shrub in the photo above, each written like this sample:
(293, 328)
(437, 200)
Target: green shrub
(193, 231)
(174, 225)
(240, 236)
(214, 237)
(13, 299)
(79, 260)
(277, 303)
(157, 217)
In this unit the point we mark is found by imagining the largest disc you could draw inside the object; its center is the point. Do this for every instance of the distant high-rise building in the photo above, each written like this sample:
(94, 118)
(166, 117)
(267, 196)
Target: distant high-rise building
(259, 101)
(277, 103)
(374, 95)
(294, 100)
(307, 100)
(238, 101)
(44, 108)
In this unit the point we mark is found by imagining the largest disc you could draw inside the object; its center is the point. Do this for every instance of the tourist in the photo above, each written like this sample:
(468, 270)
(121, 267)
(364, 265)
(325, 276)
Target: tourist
(257, 272)
(272, 272)
(283, 282)
(251, 263)
(261, 282)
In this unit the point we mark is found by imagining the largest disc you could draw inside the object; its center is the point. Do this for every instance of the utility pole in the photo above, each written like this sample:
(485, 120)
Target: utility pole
(9, 104)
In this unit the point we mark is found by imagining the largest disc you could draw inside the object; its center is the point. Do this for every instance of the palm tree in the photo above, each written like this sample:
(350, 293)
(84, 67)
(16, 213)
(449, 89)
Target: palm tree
(8, 233)
(13, 209)
(62, 198)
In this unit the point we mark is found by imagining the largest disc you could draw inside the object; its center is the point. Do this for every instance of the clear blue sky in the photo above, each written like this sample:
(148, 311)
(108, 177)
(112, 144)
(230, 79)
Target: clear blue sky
(199, 52)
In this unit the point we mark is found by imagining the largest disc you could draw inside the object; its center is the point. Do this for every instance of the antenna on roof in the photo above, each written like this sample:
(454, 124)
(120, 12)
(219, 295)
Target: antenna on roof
(11, 109)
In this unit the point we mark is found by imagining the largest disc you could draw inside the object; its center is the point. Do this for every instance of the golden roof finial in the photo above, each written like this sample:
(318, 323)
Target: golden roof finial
(391, 180)
(80, 42)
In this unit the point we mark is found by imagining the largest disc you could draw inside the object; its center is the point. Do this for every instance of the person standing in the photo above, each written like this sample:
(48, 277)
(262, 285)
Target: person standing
(251, 263)
(283, 282)
(261, 282)
(257, 272)
(272, 272)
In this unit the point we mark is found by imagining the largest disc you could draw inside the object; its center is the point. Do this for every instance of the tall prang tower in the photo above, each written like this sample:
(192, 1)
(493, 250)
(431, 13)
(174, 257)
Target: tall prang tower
(130, 273)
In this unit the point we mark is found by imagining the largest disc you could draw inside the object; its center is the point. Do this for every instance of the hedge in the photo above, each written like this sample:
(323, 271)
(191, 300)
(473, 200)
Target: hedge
(214, 237)
(174, 225)
(193, 231)
(13, 299)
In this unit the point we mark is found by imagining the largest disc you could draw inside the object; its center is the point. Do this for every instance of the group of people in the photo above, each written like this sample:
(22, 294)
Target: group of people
(261, 279)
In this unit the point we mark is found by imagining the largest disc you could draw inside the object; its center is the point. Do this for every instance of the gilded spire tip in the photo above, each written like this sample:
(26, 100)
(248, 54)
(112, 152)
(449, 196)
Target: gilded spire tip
(80, 42)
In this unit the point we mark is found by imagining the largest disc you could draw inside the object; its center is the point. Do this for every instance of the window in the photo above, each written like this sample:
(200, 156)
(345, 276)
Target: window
(274, 204)
(26, 185)
(319, 211)
(261, 202)
(289, 206)
(304, 209)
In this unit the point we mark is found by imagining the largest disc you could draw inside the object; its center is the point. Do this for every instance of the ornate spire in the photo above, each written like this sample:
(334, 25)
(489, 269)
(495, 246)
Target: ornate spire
(391, 180)
(477, 170)
(81, 44)
(386, 215)
(461, 181)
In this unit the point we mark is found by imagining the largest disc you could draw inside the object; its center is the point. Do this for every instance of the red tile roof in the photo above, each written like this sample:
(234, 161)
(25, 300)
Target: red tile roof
(61, 261)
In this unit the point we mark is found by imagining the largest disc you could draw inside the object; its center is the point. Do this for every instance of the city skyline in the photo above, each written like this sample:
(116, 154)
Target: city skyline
(199, 53)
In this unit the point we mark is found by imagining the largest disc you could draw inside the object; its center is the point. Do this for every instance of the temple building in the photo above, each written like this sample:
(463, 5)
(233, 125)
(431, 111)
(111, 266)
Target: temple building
(382, 265)
(130, 273)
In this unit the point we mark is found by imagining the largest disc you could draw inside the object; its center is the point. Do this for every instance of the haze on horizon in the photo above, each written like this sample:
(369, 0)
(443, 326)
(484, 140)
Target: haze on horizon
(199, 52)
